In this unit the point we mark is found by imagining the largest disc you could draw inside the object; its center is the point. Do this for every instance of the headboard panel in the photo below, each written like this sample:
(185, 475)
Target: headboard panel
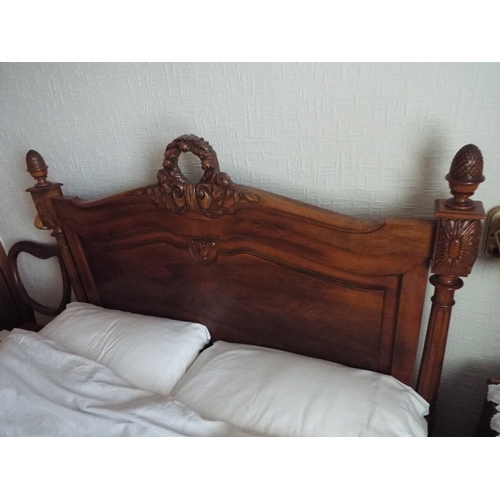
(304, 280)
(253, 266)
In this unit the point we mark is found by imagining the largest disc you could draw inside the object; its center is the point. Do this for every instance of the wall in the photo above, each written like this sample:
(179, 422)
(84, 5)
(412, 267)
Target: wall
(369, 140)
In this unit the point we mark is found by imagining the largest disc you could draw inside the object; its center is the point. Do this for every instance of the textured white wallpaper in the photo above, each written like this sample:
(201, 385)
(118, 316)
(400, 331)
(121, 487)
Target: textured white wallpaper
(370, 140)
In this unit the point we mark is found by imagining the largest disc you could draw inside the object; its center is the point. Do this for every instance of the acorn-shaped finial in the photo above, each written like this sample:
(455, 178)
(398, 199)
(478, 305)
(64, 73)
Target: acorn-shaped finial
(37, 168)
(466, 173)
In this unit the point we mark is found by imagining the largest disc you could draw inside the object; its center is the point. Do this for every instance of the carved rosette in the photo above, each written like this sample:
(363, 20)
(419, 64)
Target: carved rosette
(213, 196)
(203, 251)
(456, 247)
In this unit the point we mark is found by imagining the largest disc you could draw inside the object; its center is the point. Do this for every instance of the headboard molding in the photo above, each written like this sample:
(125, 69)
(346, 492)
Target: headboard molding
(260, 268)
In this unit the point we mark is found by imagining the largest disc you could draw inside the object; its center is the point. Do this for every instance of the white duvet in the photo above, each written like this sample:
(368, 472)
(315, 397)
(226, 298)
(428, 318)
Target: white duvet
(47, 391)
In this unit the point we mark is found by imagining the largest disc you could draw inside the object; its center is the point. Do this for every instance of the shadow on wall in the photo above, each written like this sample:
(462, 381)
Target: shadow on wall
(461, 398)
(427, 182)
(434, 166)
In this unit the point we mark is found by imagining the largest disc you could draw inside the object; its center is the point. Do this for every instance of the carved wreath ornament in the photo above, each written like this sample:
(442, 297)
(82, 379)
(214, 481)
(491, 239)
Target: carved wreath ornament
(214, 195)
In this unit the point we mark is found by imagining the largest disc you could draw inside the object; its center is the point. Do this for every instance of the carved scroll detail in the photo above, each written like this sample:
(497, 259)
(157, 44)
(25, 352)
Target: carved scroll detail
(213, 199)
(203, 251)
(456, 246)
(213, 196)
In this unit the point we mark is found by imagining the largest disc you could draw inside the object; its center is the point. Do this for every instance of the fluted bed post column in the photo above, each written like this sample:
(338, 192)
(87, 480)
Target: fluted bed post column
(42, 193)
(458, 235)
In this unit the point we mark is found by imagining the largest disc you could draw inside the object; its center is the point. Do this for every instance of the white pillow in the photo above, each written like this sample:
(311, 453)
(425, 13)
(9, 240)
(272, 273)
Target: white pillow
(282, 394)
(151, 353)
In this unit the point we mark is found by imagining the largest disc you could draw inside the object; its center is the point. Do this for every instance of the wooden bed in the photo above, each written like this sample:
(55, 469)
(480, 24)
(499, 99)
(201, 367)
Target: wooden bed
(261, 269)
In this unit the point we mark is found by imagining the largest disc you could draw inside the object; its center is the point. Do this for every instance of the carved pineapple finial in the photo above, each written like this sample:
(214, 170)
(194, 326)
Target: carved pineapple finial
(37, 168)
(466, 173)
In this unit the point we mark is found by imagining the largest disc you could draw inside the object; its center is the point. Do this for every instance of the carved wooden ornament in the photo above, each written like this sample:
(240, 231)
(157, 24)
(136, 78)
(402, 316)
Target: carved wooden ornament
(457, 245)
(459, 227)
(42, 191)
(203, 251)
(466, 173)
(213, 196)
(458, 235)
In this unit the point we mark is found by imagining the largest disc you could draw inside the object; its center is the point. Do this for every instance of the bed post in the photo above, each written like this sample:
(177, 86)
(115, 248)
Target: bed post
(458, 235)
(42, 193)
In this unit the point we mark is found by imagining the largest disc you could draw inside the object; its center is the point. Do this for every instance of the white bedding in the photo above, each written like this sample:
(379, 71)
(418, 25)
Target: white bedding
(278, 393)
(47, 391)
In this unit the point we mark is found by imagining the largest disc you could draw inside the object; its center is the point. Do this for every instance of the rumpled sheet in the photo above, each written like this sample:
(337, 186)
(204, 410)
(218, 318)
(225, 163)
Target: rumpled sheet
(48, 391)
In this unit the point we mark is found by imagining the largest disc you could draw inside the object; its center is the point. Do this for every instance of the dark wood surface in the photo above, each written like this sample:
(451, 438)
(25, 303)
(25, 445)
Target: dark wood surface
(40, 251)
(13, 313)
(262, 269)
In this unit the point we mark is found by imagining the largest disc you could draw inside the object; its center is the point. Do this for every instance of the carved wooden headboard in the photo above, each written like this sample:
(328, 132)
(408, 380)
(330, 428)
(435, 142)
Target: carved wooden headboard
(263, 269)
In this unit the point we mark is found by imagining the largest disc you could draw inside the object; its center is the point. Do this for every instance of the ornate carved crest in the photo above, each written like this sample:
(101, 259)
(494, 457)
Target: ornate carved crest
(456, 246)
(214, 195)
